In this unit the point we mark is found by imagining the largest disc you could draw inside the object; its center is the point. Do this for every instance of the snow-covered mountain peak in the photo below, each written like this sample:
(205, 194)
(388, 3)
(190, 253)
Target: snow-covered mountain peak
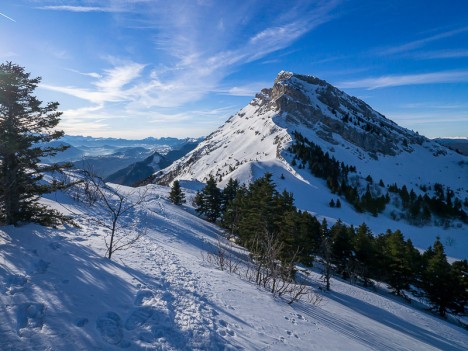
(263, 130)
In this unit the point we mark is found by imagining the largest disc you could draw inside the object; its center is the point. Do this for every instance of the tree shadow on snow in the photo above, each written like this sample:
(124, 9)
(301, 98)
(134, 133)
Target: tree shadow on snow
(58, 294)
(368, 336)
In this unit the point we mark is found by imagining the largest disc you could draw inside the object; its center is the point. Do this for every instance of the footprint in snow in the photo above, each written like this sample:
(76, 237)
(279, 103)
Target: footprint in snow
(14, 283)
(55, 246)
(290, 333)
(30, 315)
(225, 330)
(81, 322)
(40, 267)
(138, 317)
(109, 326)
(143, 296)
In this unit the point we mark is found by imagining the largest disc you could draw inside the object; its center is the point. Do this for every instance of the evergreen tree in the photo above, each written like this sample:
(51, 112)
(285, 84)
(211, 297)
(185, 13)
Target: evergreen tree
(438, 280)
(208, 201)
(325, 252)
(25, 129)
(365, 253)
(234, 211)
(229, 193)
(176, 195)
(341, 248)
(398, 270)
(460, 272)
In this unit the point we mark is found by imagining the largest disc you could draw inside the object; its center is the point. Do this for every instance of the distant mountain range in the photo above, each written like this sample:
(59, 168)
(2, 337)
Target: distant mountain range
(137, 172)
(106, 156)
(458, 144)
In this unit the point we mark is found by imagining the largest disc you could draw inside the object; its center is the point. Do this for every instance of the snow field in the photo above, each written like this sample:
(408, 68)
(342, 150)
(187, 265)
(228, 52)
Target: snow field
(58, 292)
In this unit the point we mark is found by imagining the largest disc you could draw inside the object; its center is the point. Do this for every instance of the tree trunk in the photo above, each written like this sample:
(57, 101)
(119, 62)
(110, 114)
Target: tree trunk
(114, 222)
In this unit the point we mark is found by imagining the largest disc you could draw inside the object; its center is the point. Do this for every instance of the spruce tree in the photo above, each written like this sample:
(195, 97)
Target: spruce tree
(438, 280)
(342, 247)
(26, 126)
(176, 195)
(364, 251)
(208, 201)
(398, 270)
(229, 193)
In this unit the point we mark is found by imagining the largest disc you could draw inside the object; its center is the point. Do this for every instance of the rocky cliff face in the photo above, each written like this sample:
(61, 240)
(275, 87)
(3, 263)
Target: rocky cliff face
(312, 102)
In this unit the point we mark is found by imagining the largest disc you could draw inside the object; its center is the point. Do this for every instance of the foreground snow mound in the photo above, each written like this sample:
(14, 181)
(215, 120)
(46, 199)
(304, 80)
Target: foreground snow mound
(58, 292)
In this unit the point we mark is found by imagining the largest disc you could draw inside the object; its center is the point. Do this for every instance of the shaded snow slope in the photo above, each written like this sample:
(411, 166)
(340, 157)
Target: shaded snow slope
(256, 139)
(57, 292)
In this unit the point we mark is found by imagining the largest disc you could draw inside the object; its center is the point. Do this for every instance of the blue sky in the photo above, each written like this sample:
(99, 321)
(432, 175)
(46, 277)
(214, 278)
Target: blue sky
(139, 68)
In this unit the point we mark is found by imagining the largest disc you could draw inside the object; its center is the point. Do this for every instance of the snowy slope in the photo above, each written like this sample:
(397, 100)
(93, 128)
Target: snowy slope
(256, 139)
(57, 292)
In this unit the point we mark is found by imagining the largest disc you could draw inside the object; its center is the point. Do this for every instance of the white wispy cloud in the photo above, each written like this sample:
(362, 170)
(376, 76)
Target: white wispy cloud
(441, 54)
(409, 79)
(88, 74)
(78, 8)
(416, 44)
(432, 105)
(199, 55)
(244, 90)
(425, 118)
(3, 15)
(111, 86)
(199, 47)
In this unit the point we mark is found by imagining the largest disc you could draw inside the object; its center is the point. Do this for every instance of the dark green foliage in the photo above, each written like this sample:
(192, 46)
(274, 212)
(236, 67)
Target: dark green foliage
(444, 285)
(25, 129)
(229, 193)
(418, 209)
(398, 261)
(176, 195)
(325, 253)
(267, 221)
(342, 248)
(336, 175)
(365, 256)
(460, 272)
(208, 201)
(260, 212)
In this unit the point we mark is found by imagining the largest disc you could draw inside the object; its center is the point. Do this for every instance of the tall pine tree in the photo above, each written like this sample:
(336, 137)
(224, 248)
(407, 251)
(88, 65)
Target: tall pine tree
(439, 282)
(176, 195)
(25, 127)
(208, 201)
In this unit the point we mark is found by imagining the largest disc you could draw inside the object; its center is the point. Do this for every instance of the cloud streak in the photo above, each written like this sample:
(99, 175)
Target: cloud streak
(416, 44)
(410, 79)
(3, 15)
(78, 8)
(198, 48)
(442, 54)
(110, 87)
